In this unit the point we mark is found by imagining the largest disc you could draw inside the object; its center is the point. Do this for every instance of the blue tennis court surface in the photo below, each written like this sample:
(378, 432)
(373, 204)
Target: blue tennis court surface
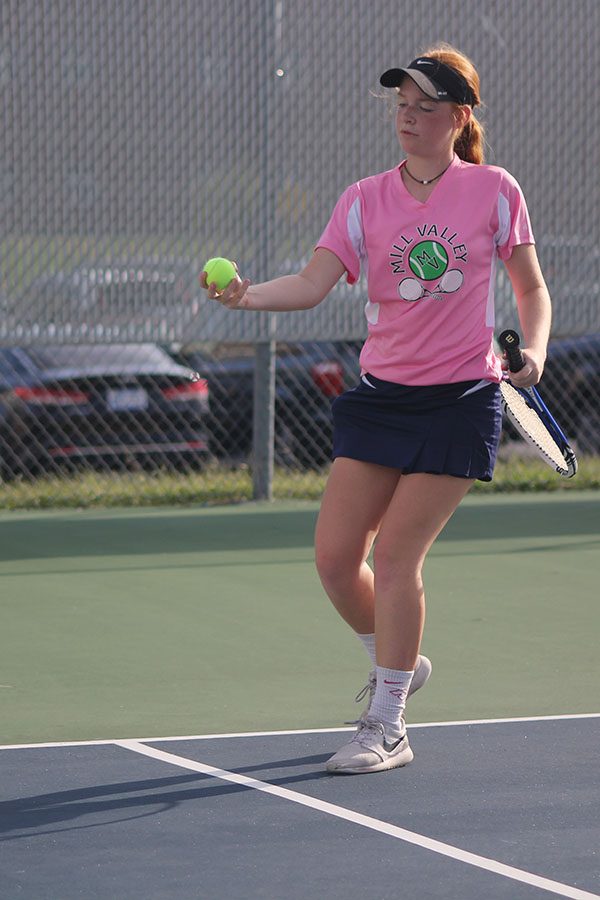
(504, 809)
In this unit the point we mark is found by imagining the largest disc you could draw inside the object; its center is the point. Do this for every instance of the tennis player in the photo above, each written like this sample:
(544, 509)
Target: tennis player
(424, 421)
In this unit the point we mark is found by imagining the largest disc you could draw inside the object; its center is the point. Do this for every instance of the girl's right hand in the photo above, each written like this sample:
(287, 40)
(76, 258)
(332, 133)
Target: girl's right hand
(233, 297)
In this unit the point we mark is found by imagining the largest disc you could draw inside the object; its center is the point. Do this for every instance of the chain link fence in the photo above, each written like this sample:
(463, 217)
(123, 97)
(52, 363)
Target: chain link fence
(140, 139)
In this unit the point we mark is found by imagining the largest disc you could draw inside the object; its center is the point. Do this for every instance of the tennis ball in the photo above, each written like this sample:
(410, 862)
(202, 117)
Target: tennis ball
(428, 260)
(219, 271)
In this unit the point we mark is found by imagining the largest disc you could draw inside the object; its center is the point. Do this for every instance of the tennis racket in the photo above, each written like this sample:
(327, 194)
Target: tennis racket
(526, 410)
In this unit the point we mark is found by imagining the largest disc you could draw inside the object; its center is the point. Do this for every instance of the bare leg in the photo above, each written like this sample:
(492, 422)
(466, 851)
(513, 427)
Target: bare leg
(355, 500)
(417, 512)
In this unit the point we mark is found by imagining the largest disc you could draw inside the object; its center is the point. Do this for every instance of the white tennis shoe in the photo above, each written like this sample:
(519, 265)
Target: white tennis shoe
(371, 750)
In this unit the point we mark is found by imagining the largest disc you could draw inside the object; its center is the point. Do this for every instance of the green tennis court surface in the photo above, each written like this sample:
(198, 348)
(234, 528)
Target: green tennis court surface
(201, 621)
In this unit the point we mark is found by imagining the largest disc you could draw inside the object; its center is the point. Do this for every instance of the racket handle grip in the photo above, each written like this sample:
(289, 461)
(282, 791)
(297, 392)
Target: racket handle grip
(509, 342)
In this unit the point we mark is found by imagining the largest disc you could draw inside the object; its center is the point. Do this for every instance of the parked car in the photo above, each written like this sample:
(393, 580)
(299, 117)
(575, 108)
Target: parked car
(309, 375)
(123, 290)
(110, 405)
(571, 387)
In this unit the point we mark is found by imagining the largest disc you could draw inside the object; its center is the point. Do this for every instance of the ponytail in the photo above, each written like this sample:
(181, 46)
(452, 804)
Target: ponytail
(469, 143)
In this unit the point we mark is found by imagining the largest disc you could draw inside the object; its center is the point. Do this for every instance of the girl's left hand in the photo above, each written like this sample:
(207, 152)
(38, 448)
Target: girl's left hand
(531, 372)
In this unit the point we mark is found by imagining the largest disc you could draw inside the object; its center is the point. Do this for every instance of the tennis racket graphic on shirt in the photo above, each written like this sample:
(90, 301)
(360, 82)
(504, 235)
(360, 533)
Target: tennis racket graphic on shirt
(526, 410)
(411, 289)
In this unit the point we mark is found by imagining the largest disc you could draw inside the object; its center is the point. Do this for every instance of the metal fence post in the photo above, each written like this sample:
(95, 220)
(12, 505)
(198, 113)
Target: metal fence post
(264, 420)
(265, 350)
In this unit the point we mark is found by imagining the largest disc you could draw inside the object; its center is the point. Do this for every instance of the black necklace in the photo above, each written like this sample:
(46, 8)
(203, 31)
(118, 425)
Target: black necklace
(427, 180)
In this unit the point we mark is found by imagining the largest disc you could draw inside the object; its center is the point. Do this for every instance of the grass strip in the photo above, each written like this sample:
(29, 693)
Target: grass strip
(219, 485)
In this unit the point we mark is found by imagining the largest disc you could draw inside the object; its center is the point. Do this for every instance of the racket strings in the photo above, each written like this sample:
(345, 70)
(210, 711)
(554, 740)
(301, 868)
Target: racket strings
(531, 426)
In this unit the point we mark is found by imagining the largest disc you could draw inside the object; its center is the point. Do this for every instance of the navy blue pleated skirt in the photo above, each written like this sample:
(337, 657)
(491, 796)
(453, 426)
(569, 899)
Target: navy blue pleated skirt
(450, 429)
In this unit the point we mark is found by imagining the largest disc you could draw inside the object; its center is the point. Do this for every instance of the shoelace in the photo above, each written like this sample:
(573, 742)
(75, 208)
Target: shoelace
(368, 726)
(368, 689)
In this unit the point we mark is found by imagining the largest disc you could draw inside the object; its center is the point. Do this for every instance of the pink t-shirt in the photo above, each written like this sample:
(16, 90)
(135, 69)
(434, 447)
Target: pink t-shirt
(430, 269)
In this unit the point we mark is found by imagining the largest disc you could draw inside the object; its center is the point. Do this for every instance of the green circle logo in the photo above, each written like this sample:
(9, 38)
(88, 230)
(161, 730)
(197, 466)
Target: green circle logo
(428, 260)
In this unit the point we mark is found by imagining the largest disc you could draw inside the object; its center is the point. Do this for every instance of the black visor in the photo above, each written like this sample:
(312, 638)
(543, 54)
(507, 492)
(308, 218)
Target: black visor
(434, 78)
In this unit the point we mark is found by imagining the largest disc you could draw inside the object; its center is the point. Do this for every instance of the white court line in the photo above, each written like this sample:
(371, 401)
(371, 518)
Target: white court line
(341, 812)
(243, 734)
(176, 737)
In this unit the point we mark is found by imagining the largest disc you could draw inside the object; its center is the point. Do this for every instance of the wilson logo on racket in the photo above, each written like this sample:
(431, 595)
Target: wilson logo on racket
(528, 413)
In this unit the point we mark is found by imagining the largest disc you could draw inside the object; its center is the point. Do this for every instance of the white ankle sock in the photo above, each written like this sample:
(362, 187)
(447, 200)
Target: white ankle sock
(390, 698)
(368, 641)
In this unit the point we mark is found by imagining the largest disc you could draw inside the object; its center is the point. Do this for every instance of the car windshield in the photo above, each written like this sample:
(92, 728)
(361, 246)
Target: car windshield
(14, 365)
